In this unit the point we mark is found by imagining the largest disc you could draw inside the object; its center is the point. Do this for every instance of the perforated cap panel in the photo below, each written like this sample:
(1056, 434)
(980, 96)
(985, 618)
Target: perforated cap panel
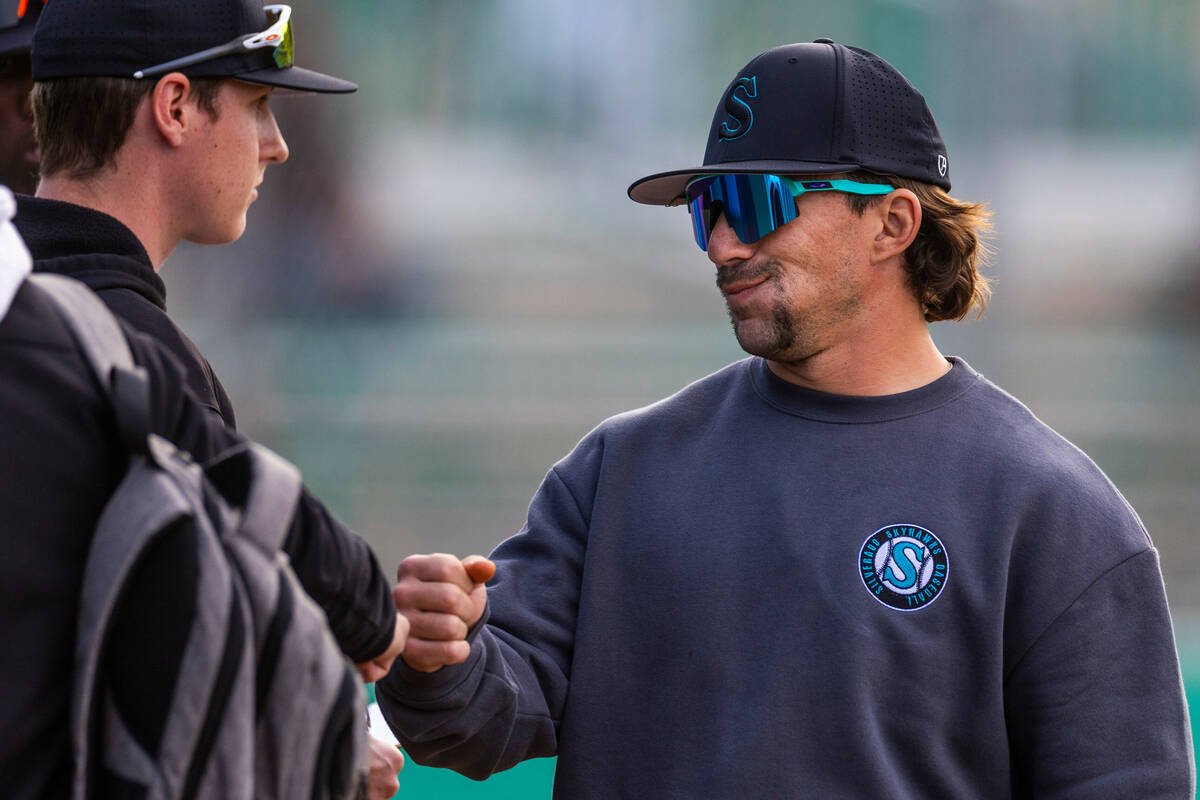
(879, 128)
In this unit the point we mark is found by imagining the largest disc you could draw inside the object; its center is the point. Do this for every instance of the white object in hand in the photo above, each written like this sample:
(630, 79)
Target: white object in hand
(378, 725)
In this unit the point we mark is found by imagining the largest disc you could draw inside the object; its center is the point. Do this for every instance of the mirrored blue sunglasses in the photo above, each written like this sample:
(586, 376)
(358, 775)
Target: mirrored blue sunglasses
(755, 205)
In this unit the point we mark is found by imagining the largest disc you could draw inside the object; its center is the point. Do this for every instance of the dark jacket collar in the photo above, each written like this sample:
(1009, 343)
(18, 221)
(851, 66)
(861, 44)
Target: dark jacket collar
(87, 245)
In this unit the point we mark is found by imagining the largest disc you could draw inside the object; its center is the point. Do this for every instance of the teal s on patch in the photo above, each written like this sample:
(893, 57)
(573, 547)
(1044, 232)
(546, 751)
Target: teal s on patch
(905, 567)
(738, 109)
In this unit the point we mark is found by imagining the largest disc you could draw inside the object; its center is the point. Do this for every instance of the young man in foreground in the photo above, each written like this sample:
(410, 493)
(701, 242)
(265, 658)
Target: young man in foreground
(154, 127)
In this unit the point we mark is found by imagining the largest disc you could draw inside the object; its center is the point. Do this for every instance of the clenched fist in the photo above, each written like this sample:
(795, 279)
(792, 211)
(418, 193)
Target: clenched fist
(441, 596)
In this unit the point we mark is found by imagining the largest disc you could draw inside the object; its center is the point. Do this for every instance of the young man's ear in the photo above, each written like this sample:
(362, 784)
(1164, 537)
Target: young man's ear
(169, 107)
(899, 215)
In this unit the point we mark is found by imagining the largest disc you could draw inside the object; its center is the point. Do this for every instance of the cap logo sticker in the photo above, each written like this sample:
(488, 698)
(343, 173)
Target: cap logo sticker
(942, 165)
(903, 566)
(738, 109)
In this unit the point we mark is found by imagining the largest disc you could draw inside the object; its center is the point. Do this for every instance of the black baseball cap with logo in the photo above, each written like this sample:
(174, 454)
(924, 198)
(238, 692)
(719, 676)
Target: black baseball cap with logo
(814, 109)
(17, 20)
(239, 39)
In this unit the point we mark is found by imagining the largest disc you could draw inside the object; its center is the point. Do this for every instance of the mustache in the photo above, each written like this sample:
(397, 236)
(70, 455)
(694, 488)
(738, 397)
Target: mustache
(746, 271)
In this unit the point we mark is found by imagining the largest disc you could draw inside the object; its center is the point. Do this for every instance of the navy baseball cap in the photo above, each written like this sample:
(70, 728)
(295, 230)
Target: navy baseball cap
(17, 20)
(117, 38)
(814, 109)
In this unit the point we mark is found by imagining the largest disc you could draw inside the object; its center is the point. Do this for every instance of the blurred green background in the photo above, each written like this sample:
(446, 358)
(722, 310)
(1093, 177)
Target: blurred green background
(446, 287)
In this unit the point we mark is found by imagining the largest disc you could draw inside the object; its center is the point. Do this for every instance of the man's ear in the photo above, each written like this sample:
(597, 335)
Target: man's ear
(899, 215)
(170, 109)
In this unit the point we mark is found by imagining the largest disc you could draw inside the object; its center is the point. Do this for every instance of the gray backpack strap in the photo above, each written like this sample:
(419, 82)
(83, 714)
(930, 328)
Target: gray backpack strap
(98, 332)
(100, 337)
(156, 492)
(274, 495)
(270, 503)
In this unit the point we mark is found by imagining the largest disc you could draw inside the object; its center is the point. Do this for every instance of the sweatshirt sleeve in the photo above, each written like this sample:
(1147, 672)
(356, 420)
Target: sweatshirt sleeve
(333, 564)
(505, 703)
(1095, 707)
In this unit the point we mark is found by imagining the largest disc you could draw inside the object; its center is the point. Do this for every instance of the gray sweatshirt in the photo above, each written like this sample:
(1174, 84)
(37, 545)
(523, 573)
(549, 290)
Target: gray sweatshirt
(753, 590)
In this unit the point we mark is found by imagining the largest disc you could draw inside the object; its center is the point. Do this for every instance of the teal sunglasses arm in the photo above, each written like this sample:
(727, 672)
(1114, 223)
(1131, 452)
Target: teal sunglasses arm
(798, 188)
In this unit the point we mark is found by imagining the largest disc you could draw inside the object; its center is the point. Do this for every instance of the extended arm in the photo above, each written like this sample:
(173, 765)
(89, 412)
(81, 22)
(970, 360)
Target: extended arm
(504, 702)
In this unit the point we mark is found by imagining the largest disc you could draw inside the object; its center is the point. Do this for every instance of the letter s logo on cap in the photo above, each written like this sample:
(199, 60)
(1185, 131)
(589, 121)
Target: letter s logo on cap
(738, 109)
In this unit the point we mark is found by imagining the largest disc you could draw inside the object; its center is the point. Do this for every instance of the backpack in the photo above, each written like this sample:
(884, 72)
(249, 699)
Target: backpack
(202, 669)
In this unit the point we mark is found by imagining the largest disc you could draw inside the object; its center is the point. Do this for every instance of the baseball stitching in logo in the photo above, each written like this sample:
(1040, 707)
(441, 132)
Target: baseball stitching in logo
(904, 566)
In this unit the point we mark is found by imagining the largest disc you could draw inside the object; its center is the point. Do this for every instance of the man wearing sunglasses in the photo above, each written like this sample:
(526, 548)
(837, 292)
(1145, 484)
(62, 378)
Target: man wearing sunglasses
(18, 150)
(845, 567)
(154, 125)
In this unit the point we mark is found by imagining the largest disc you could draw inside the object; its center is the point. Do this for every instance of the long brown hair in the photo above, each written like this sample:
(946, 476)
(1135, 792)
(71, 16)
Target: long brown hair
(943, 261)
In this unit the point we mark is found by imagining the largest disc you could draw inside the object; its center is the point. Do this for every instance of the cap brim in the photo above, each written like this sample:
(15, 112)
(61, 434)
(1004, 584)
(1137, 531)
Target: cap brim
(668, 188)
(298, 79)
(17, 39)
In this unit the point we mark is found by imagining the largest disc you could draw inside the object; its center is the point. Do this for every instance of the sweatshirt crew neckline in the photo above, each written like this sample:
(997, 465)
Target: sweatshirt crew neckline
(850, 409)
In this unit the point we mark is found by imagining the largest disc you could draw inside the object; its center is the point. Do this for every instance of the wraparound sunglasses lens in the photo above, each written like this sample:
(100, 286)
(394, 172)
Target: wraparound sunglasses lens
(754, 205)
(285, 51)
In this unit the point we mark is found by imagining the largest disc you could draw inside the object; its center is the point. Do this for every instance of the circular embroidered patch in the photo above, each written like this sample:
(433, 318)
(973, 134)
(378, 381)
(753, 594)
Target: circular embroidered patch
(903, 566)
